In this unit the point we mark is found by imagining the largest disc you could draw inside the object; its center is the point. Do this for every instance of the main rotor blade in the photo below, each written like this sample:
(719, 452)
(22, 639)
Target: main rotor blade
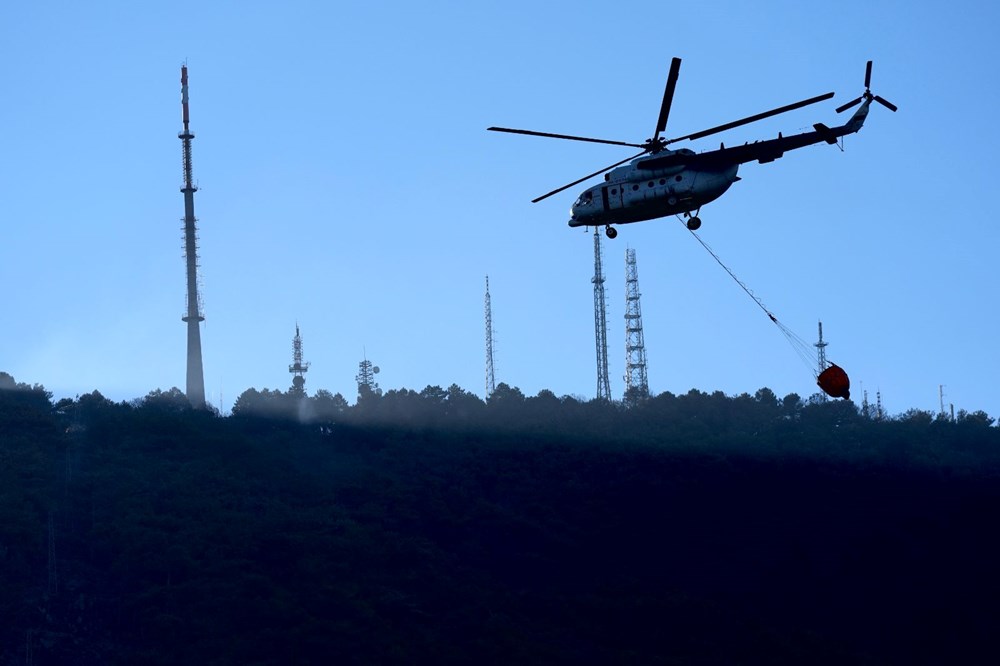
(596, 173)
(562, 136)
(886, 103)
(845, 107)
(868, 75)
(668, 97)
(752, 119)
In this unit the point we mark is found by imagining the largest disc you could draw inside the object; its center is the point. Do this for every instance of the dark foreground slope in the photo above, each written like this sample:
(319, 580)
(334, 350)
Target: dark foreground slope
(719, 533)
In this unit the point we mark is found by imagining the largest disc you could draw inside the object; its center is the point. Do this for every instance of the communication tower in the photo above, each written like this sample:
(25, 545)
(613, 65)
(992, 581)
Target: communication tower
(193, 315)
(636, 383)
(941, 394)
(821, 358)
(298, 368)
(600, 323)
(821, 350)
(366, 379)
(490, 378)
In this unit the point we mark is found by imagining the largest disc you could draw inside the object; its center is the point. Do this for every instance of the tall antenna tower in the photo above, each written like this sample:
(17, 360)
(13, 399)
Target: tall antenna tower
(600, 323)
(366, 378)
(636, 383)
(490, 378)
(821, 349)
(298, 368)
(193, 316)
(821, 358)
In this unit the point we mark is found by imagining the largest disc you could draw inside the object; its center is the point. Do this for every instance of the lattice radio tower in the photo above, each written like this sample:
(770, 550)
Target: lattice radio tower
(636, 383)
(298, 368)
(821, 350)
(366, 378)
(193, 316)
(600, 323)
(490, 378)
(821, 358)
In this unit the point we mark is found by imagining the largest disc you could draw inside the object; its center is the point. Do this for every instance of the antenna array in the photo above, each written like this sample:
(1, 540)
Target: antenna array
(600, 323)
(298, 368)
(490, 377)
(636, 383)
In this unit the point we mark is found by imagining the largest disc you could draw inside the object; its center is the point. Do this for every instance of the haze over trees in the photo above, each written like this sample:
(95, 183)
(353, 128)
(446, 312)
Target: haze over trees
(434, 527)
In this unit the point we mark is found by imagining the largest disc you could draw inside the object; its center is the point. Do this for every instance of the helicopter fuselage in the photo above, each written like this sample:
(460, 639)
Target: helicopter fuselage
(631, 194)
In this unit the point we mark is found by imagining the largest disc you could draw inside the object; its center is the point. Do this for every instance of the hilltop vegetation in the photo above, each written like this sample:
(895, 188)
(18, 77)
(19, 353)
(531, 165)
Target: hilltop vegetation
(433, 527)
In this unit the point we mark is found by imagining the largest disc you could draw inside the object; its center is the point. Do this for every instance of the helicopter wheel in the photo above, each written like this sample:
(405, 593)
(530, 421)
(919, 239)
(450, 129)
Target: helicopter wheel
(611, 232)
(694, 223)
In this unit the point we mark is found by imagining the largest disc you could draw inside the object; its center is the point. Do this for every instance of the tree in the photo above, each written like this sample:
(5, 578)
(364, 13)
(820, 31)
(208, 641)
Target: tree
(463, 405)
(329, 407)
(766, 397)
(977, 418)
(504, 396)
(172, 401)
(248, 403)
(22, 401)
(791, 405)
(7, 382)
(434, 395)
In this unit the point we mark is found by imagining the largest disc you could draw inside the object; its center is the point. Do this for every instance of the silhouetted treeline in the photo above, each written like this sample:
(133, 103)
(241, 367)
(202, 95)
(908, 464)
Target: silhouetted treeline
(761, 423)
(434, 527)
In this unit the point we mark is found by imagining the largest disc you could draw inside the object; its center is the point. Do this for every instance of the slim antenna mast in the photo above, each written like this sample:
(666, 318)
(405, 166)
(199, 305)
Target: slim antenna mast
(636, 383)
(600, 323)
(821, 350)
(490, 378)
(821, 358)
(298, 368)
(193, 316)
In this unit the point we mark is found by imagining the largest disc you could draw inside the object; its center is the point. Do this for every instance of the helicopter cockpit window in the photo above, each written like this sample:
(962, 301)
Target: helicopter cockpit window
(585, 198)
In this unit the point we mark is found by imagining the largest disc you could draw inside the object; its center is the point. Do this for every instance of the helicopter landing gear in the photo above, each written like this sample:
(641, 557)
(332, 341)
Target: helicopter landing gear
(693, 221)
(611, 232)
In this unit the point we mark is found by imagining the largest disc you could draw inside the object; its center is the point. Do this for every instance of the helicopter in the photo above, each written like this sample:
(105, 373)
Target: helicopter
(659, 181)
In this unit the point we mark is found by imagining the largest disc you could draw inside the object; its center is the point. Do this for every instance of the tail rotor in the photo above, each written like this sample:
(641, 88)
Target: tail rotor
(867, 94)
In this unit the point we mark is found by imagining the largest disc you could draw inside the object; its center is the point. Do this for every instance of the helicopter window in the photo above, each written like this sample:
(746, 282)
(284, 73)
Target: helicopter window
(650, 183)
(614, 190)
(635, 187)
(663, 181)
(678, 178)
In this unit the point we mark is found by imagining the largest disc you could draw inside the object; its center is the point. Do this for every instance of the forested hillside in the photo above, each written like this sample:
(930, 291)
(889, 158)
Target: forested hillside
(433, 527)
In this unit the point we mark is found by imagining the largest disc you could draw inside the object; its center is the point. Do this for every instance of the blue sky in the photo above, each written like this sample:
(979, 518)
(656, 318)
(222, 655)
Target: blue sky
(348, 184)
